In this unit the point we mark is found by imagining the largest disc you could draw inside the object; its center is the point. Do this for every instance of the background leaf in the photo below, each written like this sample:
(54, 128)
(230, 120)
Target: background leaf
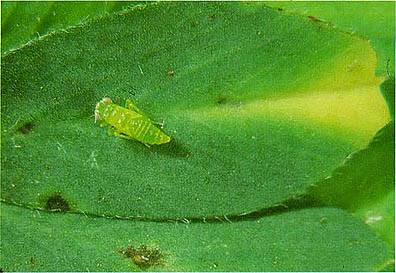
(285, 242)
(388, 91)
(378, 24)
(364, 184)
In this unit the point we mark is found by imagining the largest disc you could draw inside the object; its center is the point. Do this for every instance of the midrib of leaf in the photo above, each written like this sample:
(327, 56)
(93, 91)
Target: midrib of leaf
(345, 112)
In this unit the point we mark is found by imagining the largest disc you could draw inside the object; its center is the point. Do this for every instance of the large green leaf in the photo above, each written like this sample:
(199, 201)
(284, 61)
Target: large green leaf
(258, 112)
(311, 239)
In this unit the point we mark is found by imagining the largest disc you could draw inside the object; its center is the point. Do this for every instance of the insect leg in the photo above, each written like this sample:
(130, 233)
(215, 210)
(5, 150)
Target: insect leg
(113, 132)
(160, 124)
(127, 137)
(122, 136)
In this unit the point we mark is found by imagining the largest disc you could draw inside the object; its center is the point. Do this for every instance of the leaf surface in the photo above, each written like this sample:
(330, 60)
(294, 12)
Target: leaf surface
(258, 113)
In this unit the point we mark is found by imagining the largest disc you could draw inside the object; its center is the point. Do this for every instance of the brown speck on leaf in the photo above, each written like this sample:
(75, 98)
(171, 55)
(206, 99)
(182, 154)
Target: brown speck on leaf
(352, 242)
(26, 128)
(194, 23)
(313, 18)
(33, 261)
(171, 72)
(323, 220)
(221, 99)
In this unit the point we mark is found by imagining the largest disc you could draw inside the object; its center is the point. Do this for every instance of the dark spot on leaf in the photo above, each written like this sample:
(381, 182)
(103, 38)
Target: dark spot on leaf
(25, 128)
(221, 99)
(144, 256)
(57, 203)
(194, 23)
(323, 220)
(101, 198)
(352, 242)
(171, 72)
(33, 261)
(212, 16)
(280, 9)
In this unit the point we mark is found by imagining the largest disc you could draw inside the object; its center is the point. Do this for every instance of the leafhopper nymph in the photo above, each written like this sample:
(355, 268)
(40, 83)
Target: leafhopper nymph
(129, 122)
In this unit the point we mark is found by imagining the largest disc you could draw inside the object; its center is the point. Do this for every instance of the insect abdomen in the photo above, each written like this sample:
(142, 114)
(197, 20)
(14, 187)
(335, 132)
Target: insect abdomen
(143, 130)
(136, 126)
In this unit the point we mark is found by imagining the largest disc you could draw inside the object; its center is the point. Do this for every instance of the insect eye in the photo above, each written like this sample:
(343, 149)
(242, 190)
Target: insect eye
(107, 100)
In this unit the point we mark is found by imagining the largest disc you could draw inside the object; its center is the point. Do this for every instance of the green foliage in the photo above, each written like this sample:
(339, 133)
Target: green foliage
(262, 107)
(364, 184)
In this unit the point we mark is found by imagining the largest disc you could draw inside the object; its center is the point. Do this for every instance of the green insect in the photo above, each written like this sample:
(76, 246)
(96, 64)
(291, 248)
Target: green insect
(129, 122)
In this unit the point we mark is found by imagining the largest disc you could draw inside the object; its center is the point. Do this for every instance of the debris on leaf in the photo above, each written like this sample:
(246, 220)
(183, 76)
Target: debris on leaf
(144, 256)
